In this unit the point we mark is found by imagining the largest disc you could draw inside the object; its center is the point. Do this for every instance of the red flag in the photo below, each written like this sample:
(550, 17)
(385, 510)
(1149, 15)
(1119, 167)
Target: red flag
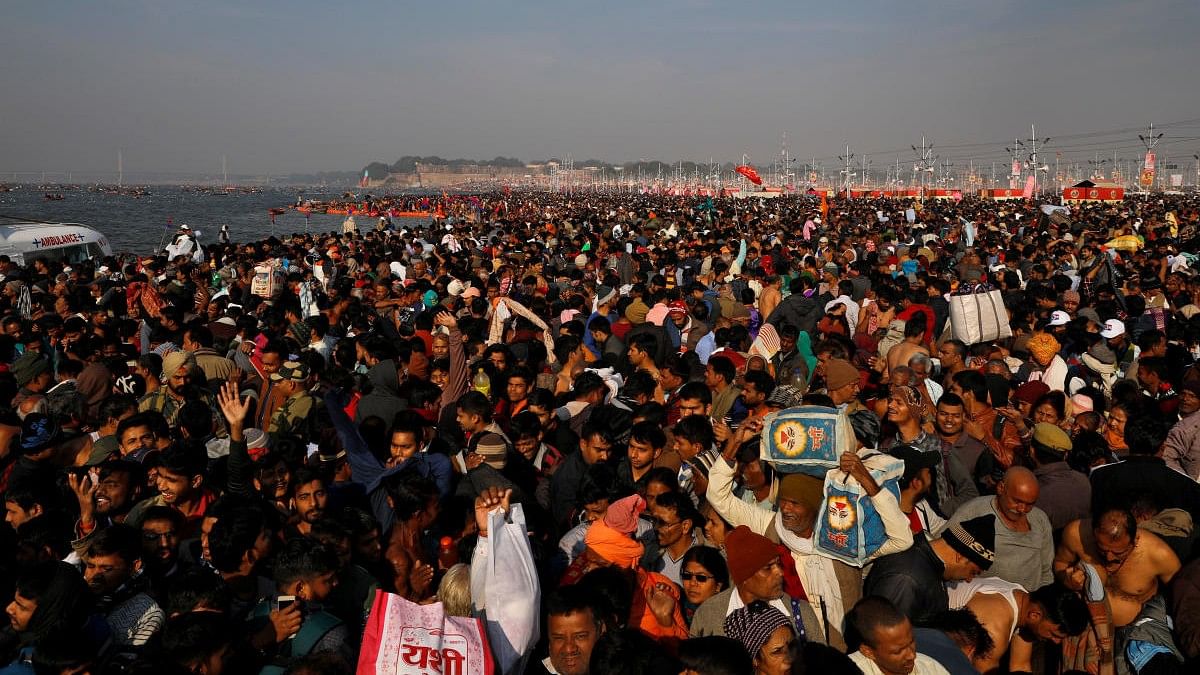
(750, 174)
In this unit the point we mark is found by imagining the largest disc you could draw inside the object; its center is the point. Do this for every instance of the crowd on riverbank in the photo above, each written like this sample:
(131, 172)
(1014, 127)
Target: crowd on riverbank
(215, 459)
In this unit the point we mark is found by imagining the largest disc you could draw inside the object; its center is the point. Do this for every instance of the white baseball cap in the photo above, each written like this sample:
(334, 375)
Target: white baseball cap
(1112, 328)
(1059, 318)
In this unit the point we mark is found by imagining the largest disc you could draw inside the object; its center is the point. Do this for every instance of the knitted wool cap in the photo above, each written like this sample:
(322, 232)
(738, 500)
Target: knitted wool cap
(622, 515)
(748, 553)
(753, 625)
(785, 396)
(802, 488)
(28, 367)
(493, 449)
(975, 539)
(839, 373)
(866, 427)
(605, 295)
(1101, 352)
(1030, 392)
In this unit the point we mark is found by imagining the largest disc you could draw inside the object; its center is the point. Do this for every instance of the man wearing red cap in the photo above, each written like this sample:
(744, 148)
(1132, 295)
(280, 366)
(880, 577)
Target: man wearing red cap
(687, 333)
(757, 573)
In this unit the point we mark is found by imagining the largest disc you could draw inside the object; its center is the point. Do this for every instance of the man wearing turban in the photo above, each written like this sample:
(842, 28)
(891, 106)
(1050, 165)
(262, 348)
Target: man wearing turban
(655, 609)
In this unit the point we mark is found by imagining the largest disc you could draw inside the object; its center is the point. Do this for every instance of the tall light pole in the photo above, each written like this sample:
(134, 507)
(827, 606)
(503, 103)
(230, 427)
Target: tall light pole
(1033, 142)
(1150, 139)
(1015, 175)
(847, 175)
(925, 162)
(787, 175)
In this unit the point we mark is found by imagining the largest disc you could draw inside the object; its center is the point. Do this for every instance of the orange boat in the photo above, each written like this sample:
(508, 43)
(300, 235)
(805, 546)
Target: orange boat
(337, 212)
(410, 214)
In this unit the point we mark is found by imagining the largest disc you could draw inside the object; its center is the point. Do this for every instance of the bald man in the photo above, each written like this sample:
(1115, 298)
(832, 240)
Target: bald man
(1025, 543)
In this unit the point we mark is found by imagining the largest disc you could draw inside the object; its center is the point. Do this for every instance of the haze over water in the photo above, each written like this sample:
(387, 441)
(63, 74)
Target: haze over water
(139, 224)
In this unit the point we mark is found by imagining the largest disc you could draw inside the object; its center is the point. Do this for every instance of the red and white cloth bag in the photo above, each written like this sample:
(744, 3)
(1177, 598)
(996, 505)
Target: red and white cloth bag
(404, 638)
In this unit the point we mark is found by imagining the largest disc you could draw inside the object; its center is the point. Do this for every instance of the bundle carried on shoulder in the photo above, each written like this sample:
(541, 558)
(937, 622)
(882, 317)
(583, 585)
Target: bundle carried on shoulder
(807, 439)
(849, 527)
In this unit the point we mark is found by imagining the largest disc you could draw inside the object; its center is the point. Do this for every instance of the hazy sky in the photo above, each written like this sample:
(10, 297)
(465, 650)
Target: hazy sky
(301, 86)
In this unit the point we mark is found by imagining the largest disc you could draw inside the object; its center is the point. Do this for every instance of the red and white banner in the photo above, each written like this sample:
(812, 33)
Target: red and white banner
(1030, 184)
(1149, 166)
(1016, 168)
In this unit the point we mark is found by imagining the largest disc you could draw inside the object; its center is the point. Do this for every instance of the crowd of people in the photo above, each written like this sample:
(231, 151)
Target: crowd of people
(212, 462)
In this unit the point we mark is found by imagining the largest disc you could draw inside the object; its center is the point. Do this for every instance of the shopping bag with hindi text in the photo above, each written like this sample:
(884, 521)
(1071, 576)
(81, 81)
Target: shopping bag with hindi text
(404, 638)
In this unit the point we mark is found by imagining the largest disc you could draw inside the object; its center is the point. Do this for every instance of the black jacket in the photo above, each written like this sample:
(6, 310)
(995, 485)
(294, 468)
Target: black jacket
(384, 400)
(564, 489)
(1139, 476)
(912, 580)
(799, 311)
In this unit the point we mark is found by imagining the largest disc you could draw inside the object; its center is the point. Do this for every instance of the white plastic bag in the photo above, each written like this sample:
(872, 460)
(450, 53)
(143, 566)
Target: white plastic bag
(505, 590)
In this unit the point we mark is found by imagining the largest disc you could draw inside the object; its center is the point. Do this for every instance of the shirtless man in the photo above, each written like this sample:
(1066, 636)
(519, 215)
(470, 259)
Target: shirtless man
(771, 295)
(914, 342)
(1131, 564)
(1017, 619)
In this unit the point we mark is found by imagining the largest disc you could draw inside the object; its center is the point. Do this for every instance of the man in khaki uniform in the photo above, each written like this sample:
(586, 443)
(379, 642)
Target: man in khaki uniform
(291, 419)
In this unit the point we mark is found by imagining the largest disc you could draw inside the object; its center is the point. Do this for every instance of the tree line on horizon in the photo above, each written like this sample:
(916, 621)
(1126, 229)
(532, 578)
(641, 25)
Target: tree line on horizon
(408, 164)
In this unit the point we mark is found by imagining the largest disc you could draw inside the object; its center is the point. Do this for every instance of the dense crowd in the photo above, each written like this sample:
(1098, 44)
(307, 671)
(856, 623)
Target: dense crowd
(213, 460)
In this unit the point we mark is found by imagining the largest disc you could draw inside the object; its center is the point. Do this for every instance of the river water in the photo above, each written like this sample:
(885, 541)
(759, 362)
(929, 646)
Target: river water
(141, 224)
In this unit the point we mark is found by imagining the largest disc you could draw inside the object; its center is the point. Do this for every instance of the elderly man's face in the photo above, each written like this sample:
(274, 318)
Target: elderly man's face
(920, 371)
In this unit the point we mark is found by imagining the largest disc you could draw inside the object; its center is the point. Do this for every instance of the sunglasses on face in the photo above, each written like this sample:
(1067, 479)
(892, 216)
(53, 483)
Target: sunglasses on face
(695, 576)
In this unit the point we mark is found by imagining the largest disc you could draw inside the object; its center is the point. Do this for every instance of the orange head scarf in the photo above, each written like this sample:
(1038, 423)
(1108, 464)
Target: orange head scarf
(613, 546)
(610, 537)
